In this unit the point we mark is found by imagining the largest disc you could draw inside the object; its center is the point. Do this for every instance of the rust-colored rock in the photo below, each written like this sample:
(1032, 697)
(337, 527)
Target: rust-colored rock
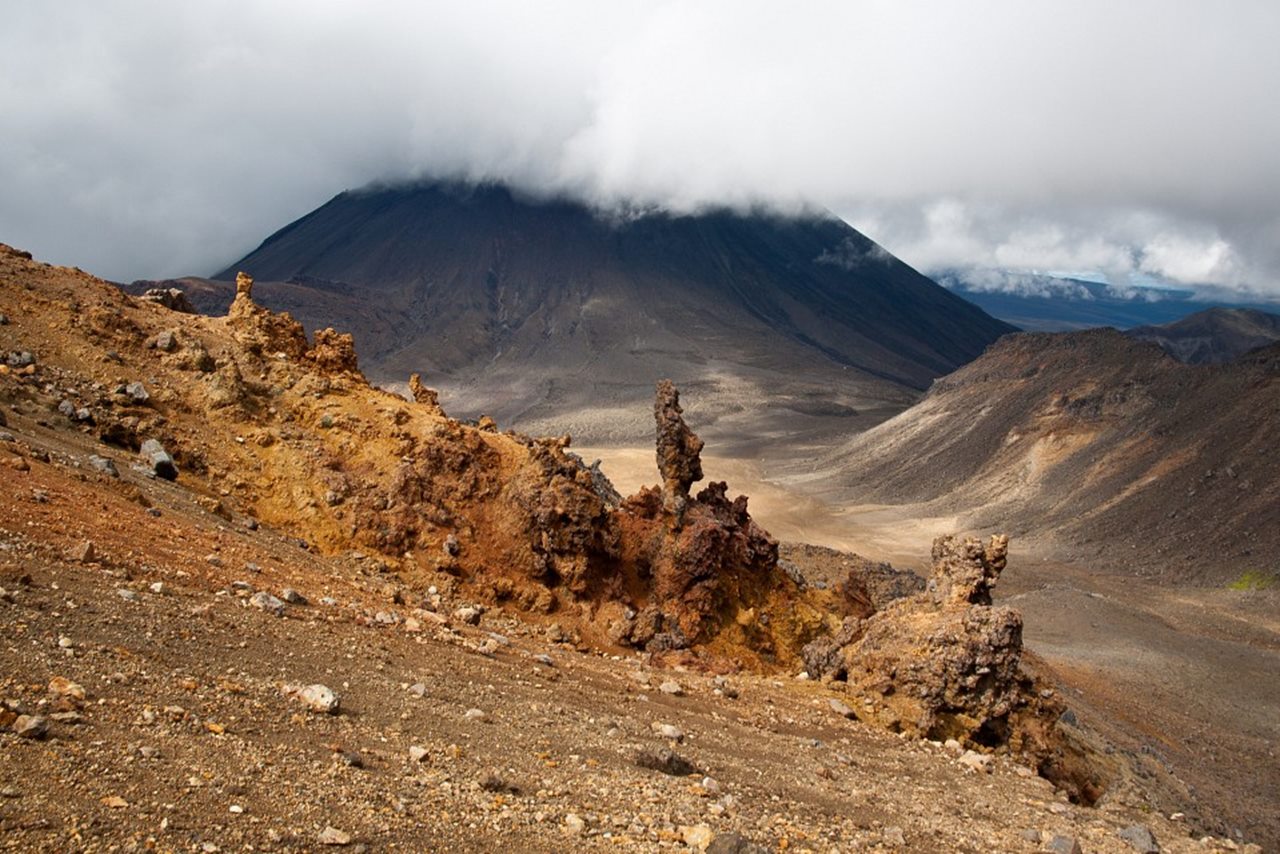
(333, 352)
(964, 571)
(260, 331)
(946, 663)
(679, 449)
(428, 397)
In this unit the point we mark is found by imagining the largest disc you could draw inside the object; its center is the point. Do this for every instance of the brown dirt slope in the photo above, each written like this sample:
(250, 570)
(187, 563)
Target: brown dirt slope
(1105, 447)
(427, 560)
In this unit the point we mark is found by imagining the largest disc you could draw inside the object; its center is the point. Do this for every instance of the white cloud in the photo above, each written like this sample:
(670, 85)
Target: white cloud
(144, 138)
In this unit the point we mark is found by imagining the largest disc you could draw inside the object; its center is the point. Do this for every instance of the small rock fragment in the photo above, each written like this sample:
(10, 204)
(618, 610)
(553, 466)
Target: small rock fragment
(1141, 839)
(320, 699)
(417, 754)
(137, 392)
(574, 825)
(126, 594)
(1063, 845)
(976, 761)
(332, 836)
(671, 687)
(495, 782)
(468, 614)
(161, 464)
(103, 465)
(698, 837)
(114, 802)
(734, 843)
(665, 760)
(293, 597)
(264, 600)
(473, 715)
(31, 726)
(86, 552)
(669, 731)
(840, 708)
(63, 687)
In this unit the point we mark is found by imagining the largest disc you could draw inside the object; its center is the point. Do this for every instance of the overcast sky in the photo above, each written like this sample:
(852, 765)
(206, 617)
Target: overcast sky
(1140, 139)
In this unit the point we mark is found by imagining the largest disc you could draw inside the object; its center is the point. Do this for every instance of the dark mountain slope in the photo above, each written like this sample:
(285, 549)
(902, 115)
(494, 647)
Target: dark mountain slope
(1102, 444)
(541, 311)
(1214, 336)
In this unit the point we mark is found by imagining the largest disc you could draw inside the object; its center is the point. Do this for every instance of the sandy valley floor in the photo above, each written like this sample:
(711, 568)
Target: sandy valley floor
(1185, 675)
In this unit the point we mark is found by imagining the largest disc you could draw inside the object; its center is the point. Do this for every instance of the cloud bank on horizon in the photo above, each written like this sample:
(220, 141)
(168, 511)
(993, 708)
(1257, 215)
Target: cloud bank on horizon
(1138, 139)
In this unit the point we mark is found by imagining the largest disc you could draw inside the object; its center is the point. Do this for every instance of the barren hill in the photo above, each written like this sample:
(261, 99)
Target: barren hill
(550, 316)
(1213, 336)
(1107, 447)
(255, 601)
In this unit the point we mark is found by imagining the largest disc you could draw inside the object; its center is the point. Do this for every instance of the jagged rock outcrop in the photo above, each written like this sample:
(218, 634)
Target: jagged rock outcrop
(428, 397)
(261, 331)
(944, 664)
(333, 352)
(965, 571)
(700, 567)
(679, 450)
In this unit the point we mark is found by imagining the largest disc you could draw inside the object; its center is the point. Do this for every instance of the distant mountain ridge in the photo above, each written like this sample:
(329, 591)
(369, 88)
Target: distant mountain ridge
(1046, 303)
(1215, 336)
(542, 313)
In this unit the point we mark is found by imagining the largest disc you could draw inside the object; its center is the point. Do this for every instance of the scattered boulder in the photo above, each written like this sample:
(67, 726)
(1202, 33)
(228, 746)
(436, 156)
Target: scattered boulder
(159, 460)
(173, 299)
(264, 600)
(31, 726)
(137, 392)
(165, 342)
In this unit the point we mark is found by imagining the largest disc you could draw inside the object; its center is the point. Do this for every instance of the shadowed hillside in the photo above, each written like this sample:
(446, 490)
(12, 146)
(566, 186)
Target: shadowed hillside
(1105, 445)
(1214, 336)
